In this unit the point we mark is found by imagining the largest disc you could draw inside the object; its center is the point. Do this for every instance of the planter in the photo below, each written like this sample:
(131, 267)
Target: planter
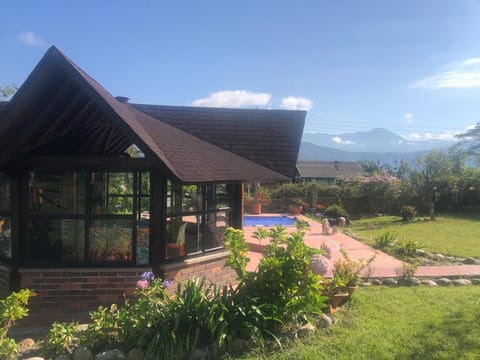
(336, 300)
(352, 289)
(295, 210)
(256, 209)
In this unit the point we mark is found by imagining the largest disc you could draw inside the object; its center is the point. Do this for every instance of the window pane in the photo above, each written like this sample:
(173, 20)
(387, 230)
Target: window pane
(183, 236)
(55, 240)
(112, 193)
(111, 240)
(57, 193)
(143, 232)
(5, 237)
(217, 224)
(4, 192)
(145, 183)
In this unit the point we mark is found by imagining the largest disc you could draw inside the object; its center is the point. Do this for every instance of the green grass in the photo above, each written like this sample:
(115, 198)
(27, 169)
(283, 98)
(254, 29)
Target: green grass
(397, 323)
(454, 234)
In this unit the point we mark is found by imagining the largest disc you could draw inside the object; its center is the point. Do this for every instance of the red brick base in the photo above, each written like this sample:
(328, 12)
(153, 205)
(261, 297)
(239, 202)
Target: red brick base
(69, 294)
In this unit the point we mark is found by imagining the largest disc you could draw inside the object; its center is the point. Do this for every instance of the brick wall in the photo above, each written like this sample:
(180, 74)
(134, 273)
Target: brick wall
(69, 294)
(4, 281)
(209, 266)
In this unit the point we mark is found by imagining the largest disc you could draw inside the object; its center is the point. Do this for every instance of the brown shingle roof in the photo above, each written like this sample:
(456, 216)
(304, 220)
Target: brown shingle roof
(268, 137)
(185, 156)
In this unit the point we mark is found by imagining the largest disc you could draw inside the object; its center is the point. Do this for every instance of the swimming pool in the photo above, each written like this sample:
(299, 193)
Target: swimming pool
(249, 220)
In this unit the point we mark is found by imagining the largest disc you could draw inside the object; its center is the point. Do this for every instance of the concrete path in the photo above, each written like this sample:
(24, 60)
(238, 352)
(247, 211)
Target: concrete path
(383, 265)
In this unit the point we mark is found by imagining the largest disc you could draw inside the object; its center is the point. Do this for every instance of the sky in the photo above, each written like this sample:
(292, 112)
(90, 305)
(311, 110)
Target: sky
(412, 67)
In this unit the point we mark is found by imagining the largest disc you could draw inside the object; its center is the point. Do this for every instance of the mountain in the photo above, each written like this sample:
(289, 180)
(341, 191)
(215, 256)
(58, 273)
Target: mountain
(377, 140)
(310, 151)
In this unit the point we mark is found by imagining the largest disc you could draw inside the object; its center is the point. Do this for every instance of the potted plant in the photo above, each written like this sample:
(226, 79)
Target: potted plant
(350, 271)
(296, 206)
(254, 202)
(334, 289)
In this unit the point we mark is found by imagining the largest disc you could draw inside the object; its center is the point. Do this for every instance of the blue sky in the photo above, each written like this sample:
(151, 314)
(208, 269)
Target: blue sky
(410, 66)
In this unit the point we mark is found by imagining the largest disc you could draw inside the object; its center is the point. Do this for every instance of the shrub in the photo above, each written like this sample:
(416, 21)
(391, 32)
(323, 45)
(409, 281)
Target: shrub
(408, 212)
(335, 211)
(62, 339)
(408, 248)
(385, 240)
(349, 271)
(12, 308)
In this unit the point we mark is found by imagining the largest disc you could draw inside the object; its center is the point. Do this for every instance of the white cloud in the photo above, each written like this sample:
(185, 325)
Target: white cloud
(447, 136)
(339, 140)
(32, 39)
(414, 136)
(457, 76)
(408, 117)
(296, 103)
(234, 98)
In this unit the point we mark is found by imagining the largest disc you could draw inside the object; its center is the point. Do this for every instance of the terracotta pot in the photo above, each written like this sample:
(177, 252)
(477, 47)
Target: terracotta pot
(335, 300)
(256, 209)
(352, 289)
(295, 210)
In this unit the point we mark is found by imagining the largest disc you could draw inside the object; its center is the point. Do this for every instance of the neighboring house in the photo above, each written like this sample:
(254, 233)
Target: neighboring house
(327, 172)
(95, 190)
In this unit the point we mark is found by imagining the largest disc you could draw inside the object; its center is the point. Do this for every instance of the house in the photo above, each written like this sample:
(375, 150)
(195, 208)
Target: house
(95, 190)
(327, 172)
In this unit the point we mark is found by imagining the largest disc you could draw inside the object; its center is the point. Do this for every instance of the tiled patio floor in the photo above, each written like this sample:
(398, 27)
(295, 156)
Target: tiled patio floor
(383, 265)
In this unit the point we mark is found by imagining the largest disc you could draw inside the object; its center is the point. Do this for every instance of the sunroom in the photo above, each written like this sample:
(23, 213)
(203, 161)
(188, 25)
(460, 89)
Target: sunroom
(95, 190)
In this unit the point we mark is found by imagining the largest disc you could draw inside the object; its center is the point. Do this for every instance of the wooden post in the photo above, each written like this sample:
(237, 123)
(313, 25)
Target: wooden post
(158, 187)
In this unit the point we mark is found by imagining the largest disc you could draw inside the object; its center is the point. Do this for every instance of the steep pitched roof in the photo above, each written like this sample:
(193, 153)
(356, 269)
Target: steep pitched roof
(60, 108)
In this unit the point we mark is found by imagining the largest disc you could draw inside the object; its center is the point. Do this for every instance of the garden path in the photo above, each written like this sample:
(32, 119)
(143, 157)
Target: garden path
(383, 265)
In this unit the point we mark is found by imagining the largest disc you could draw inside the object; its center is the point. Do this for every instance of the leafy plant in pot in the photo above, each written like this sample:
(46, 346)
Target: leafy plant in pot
(350, 271)
(296, 206)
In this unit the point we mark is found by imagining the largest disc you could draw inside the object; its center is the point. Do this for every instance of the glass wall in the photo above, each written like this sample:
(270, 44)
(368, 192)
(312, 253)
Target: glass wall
(88, 217)
(5, 217)
(197, 217)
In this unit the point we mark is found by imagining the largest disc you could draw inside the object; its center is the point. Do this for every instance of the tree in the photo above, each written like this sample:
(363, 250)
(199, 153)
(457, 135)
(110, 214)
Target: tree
(7, 91)
(437, 175)
(472, 136)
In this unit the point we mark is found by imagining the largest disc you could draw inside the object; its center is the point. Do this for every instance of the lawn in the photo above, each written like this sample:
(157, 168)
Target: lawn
(397, 323)
(453, 234)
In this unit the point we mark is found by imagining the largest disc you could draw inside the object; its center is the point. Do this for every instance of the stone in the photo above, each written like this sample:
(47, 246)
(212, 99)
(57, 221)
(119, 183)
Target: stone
(444, 282)
(135, 354)
(114, 354)
(413, 281)
(365, 284)
(428, 282)
(306, 330)
(439, 256)
(82, 353)
(470, 261)
(476, 281)
(199, 354)
(390, 282)
(421, 252)
(461, 282)
(35, 358)
(62, 357)
(26, 344)
(324, 321)
(376, 282)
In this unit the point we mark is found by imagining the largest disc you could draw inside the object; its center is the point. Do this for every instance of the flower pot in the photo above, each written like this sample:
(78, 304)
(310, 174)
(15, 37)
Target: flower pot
(256, 209)
(352, 289)
(335, 300)
(295, 210)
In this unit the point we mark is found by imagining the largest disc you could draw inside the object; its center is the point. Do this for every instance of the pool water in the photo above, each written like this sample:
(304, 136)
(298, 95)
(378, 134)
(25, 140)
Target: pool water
(249, 220)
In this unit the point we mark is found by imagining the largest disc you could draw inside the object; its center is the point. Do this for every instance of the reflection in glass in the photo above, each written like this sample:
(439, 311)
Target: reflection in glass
(57, 193)
(112, 193)
(56, 240)
(111, 240)
(5, 237)
(5, 204)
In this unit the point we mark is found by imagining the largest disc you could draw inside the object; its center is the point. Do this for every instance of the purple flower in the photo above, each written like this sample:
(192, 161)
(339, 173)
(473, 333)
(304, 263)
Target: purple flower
(148, 275)
(166, 283)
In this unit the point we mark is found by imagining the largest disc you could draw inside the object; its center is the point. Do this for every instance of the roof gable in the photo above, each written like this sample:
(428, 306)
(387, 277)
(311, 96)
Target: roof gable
(61, 108)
